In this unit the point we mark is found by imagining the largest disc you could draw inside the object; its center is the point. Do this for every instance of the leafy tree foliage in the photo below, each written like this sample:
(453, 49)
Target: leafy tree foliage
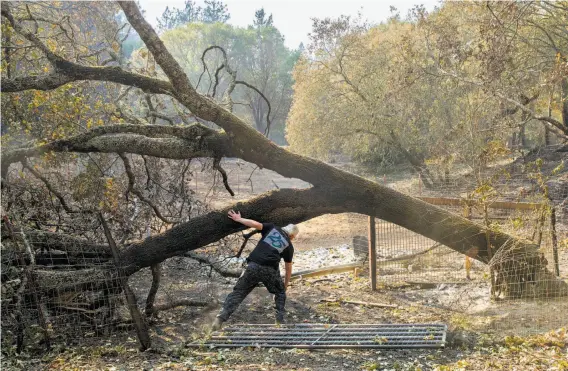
(213, 12)
(257, 54)
(433, 90)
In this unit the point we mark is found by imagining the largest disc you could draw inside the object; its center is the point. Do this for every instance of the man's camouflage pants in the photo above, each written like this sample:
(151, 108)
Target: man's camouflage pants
(250, 278)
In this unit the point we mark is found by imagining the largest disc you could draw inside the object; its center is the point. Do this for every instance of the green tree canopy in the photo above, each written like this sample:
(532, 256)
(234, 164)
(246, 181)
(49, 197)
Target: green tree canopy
(213, 12)
(257, 54)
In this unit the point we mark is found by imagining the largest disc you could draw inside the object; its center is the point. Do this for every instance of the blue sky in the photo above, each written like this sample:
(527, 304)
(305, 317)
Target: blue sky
(293, 17)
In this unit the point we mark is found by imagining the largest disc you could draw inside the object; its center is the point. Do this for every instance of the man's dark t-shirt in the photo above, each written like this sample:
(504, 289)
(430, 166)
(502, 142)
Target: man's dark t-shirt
(273, 245)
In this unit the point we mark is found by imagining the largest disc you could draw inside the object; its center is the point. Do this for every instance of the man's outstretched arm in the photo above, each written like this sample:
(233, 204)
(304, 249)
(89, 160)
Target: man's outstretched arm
(288, 275)
(236, 216)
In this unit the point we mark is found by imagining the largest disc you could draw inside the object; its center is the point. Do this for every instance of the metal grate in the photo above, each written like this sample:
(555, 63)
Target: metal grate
(329, 336)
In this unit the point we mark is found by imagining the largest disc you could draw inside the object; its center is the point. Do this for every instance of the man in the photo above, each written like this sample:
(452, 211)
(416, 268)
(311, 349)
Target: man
(262, 266)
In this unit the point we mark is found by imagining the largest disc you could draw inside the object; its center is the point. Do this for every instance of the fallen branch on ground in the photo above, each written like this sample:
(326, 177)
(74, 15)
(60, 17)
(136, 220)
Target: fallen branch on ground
(433, 285)
(220, 266)
(326, 270)
(366, 303)
(181, 303)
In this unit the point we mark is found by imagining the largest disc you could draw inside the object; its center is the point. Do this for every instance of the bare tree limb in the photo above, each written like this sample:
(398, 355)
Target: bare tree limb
(217, 166)
(217, 79)
(247, 236)
(156, 273)
(234, 82)
(268, 123)
(218, 265)
(52, 189)
(132, 188)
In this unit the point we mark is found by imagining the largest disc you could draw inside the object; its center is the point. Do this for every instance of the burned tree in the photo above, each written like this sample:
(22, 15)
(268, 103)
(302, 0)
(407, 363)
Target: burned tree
(214, 132)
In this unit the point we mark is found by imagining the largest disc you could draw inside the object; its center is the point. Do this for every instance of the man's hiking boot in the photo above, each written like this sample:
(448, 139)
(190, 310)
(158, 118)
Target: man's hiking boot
(217, 324)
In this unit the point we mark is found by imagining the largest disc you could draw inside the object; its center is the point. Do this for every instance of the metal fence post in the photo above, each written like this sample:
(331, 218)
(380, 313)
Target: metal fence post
(372, 253)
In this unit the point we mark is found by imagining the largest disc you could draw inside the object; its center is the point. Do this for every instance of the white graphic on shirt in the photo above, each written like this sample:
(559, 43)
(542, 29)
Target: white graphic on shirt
(276, 240)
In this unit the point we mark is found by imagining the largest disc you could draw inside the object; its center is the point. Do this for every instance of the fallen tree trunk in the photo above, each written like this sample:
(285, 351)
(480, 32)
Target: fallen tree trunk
(334, 191)
(294, 206)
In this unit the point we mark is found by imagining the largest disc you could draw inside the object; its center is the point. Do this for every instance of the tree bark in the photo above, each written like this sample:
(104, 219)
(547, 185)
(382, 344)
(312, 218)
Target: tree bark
(564, 86)
(546, 129)
(156, 273)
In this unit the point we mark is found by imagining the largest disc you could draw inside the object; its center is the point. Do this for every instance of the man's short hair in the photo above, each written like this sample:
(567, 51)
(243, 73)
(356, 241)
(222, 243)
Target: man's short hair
(292, 230)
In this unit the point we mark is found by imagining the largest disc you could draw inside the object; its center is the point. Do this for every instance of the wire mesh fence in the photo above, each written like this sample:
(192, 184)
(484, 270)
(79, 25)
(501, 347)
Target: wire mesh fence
(529, 205)
(404, 255)
(70, 294)
(60, 284)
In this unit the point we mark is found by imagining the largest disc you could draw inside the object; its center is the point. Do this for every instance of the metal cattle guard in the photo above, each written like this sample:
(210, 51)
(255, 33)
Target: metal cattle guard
(323, 336)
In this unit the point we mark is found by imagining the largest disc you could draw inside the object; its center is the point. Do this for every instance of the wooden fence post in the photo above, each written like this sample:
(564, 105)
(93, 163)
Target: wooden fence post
(554, 240)
(467, 264)
(372, 253)
(139, 322)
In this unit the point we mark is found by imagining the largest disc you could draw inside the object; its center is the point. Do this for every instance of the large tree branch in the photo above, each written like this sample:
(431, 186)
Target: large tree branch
(175, 142)
(174, 72)
(67, 71)
(47, 82)
(281, 207)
